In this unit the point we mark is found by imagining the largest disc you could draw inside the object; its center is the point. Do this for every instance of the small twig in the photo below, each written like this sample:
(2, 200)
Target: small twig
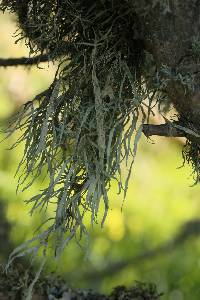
(23, 61)
(167, 130)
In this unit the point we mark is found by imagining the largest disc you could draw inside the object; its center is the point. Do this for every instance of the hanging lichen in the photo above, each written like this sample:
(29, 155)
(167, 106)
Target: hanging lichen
(81, 128)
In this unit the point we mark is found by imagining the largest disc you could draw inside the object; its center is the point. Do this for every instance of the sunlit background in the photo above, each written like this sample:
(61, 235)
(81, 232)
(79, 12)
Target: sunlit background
(136, 242)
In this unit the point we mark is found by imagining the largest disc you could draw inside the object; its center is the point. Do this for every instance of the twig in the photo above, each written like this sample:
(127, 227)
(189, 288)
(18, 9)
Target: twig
(167, 130)
(23, 61)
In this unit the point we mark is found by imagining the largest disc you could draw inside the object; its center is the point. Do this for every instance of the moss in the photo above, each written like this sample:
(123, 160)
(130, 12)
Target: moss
(13, 286)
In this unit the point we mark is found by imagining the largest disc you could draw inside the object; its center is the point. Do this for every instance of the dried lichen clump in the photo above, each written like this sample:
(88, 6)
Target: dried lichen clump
(71, 27)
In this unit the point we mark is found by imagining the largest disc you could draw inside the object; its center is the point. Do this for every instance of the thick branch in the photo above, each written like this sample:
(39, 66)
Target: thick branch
(23, 61)
(167, 130)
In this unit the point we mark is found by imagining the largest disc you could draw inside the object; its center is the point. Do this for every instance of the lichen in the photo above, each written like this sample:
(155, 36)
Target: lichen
(81, 128)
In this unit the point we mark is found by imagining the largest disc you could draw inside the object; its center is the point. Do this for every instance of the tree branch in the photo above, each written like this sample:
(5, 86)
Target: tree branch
(23, 61)
(188, 230)
(167, 130)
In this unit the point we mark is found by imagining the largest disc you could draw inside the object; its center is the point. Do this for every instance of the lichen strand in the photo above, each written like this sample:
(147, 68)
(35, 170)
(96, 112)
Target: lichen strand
(82, 127)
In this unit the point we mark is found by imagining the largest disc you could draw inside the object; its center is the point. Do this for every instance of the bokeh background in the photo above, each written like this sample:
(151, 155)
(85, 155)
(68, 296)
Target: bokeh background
(151, 236)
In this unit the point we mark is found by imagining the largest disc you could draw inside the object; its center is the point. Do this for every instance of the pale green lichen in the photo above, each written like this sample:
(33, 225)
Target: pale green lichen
(81, 128)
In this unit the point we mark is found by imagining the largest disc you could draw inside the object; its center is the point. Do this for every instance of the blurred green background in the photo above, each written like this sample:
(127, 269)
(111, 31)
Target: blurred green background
(135, 241)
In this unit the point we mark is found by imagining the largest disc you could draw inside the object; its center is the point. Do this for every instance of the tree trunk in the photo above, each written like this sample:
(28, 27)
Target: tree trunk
(170, 35)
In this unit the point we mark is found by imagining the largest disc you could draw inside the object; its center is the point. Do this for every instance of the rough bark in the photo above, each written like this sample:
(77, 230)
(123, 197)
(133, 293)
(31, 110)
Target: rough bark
(169, 37)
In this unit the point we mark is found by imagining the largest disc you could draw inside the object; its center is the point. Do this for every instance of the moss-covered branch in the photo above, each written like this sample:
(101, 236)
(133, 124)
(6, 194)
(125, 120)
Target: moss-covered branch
(55, 288)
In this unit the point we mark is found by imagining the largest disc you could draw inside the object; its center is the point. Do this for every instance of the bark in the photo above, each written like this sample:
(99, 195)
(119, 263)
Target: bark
(167, 130)
(169, 37)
